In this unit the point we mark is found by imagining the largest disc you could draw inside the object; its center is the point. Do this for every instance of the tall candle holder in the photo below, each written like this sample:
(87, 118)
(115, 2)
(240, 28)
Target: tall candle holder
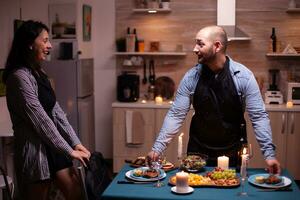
(243, 170)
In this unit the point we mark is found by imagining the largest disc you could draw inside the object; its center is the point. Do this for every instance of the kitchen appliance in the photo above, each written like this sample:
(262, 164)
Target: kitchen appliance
(74, 88)
(128, 87)
(293, 92)
(273, 95)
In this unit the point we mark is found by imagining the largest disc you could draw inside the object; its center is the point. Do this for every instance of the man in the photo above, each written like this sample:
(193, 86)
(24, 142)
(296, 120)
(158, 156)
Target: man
(220, 89)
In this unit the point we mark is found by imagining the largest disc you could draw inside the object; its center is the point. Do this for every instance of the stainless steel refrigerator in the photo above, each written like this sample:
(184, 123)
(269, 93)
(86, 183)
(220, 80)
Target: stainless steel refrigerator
(73, 82)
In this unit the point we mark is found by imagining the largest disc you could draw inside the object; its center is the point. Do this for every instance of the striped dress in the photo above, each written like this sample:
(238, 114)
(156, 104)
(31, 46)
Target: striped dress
(33, 128)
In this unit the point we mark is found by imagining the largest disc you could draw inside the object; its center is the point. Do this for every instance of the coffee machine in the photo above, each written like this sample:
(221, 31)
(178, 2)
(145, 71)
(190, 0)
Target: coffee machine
(128, 87)
(273, 95)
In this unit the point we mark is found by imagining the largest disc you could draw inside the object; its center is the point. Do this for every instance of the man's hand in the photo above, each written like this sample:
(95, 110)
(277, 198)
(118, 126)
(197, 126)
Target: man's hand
(273, 166)
(81, 156)
(152, 156)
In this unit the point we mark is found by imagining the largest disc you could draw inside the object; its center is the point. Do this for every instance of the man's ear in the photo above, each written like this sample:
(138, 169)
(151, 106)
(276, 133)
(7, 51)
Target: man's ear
(218, 46)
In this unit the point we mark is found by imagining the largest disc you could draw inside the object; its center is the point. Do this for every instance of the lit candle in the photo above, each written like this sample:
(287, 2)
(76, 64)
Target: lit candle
(158, 100)
(244, 157)
(182, 181)
(289, 104)
(244, 163)
(180, 145)
(223, 162)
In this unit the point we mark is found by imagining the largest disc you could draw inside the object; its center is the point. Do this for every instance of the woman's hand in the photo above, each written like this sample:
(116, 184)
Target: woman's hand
(81, 156)
(80, 147)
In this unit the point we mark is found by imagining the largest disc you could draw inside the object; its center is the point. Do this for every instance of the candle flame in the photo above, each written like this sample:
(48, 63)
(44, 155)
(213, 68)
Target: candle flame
(181, 135)
(244, 151)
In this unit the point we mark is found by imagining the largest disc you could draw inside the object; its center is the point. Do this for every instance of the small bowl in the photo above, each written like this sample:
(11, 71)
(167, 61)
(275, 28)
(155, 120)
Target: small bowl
(193, 162)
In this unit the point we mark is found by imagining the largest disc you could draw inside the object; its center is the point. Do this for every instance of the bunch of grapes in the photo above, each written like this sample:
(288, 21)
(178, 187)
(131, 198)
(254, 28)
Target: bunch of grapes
(219, 173)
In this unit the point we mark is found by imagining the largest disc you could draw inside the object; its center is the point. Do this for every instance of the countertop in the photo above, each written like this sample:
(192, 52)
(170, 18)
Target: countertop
(166, 105)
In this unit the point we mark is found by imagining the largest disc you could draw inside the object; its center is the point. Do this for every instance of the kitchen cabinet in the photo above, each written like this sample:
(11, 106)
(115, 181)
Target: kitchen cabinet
(150, 53)
(286, 137)
(122, 150)
(153, 119)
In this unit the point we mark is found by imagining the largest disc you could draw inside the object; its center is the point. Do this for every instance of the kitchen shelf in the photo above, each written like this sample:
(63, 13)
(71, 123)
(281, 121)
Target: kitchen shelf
(293, 10)
(150, 53)
(151, 10)
(282, 55)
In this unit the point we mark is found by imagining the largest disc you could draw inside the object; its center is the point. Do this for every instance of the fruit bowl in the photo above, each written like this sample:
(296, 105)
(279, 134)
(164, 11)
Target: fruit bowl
(193, 162)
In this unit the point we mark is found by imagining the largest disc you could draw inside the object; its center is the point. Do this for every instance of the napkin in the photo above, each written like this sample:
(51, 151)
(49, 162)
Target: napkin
(134, 127)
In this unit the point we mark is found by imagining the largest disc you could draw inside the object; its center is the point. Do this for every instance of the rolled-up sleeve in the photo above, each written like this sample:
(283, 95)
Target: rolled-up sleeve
(178, 111)
(259, 118)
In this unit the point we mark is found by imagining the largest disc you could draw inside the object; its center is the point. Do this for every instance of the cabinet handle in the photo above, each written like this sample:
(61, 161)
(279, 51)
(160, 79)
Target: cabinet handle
(293, 123)
(282, 123)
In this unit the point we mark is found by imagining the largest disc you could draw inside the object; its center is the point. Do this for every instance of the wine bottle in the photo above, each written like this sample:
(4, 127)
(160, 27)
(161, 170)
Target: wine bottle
(273, 40)
(136, 41)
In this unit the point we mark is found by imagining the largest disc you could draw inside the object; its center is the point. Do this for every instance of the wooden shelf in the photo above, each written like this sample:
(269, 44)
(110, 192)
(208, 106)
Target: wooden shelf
(282, 55)
(150, 53)
(293, 10)
(151, 10)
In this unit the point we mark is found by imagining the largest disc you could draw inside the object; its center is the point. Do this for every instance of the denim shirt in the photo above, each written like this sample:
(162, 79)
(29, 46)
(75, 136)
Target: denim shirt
(249, 93)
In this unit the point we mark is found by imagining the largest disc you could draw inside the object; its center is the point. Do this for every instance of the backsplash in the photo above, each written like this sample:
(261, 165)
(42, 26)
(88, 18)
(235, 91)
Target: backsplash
(180, 26)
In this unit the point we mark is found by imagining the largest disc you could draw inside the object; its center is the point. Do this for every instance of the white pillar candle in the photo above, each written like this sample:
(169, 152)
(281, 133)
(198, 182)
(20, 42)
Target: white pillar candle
(223, 162)
(158, 100)
(182, 181)
(180, 145)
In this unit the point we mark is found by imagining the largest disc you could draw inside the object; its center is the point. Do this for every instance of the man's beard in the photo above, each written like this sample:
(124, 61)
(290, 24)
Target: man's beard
(207, 58)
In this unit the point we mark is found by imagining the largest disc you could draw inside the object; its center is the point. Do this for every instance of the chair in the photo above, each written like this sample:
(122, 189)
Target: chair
(81, 173)
(5, 182)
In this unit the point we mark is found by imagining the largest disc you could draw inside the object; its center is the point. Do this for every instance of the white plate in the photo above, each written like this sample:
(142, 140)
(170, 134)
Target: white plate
(188, 190)
(285, 181)
(129, 174)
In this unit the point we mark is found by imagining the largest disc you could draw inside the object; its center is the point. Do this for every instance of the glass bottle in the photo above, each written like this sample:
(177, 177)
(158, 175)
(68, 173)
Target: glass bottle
(273, 40)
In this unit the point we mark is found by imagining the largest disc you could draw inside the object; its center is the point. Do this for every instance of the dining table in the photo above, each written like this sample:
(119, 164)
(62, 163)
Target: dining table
(135, 191)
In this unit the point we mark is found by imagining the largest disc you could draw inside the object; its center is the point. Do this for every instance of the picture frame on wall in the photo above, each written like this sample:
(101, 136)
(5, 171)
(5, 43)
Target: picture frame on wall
(87, 22)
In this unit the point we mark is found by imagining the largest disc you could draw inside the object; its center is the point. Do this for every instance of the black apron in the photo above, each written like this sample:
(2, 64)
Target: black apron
(216, 126)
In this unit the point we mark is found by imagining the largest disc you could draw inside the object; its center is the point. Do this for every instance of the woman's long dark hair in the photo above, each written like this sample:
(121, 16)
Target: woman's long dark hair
(21, 53)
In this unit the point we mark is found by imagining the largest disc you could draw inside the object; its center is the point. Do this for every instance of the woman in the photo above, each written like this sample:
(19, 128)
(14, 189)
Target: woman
(44, 141)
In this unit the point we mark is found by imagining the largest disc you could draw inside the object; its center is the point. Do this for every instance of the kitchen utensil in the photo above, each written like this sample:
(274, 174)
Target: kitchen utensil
(285, 189)
(132, 182)
(145, 75)
(151, 72)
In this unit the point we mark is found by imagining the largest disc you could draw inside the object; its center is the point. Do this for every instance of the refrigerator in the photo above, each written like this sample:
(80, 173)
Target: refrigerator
(73, 83)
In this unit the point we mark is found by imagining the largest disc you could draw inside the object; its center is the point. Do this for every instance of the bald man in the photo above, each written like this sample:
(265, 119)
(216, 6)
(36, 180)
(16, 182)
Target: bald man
(220, 90)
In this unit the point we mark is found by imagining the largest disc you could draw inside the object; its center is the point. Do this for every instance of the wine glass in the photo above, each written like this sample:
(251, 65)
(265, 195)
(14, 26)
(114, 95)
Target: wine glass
(157, 165)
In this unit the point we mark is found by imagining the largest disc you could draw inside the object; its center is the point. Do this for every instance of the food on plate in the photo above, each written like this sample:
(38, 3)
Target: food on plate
(193, 162)
(217, 177)
(167, 165)
(272, 179)
(195, 180)
(150, 173)
(138, 172)
(140, 161)
(219, 173)
(259, 179)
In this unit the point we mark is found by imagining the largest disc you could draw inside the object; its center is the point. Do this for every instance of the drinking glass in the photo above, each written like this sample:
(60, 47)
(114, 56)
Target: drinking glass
(157, 165)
